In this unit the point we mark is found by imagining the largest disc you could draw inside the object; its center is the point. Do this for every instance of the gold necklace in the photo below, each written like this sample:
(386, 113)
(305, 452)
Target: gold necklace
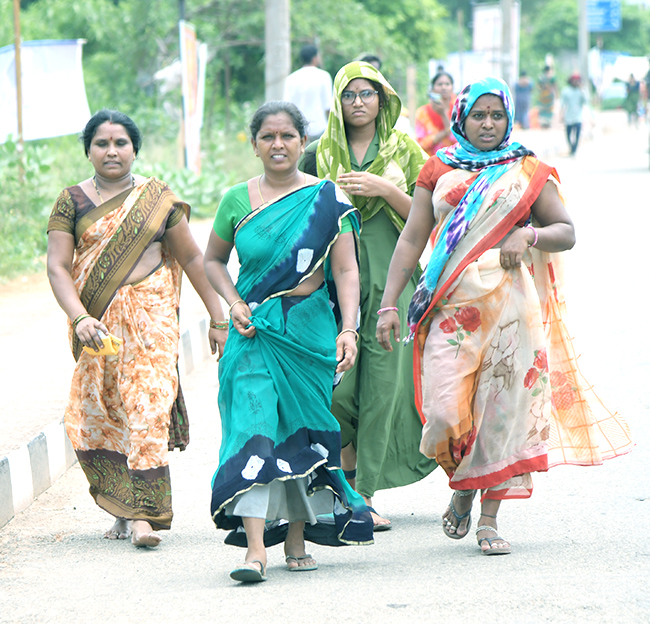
(259, 185)
(100, 195)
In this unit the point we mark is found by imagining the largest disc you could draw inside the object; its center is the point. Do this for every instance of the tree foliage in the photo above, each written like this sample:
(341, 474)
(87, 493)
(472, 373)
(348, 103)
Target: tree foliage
(129, 40)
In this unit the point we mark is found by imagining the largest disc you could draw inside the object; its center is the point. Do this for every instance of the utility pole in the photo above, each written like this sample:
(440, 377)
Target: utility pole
(506, 41)
(19, 89)
(278, 48)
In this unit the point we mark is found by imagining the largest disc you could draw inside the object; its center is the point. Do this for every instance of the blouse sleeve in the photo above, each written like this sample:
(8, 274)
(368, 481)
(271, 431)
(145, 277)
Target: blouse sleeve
(62, 217)
(175, 216)
(431, 172)
(233, 207)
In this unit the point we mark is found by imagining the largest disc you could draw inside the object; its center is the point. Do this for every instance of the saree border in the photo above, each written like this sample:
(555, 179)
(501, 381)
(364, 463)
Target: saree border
(320, 184)
(538, 179)
(140, 226)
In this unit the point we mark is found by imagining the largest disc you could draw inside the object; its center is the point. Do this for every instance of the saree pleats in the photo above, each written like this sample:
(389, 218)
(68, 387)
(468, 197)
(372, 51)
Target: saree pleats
(119, 410)
(275, 388)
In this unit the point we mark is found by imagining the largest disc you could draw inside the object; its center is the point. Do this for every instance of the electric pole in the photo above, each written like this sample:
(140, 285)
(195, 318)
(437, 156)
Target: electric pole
(278, 48)
(506, 42)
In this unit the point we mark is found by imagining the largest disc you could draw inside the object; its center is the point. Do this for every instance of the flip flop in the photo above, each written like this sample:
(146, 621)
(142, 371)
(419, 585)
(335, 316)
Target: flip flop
(380, 527)
(502, 550)
(248, 573)
(459, 517)
(299, 568)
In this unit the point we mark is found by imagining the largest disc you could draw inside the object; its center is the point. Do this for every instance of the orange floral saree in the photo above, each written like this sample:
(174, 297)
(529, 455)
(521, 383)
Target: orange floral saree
(495, 370)
(122, 407)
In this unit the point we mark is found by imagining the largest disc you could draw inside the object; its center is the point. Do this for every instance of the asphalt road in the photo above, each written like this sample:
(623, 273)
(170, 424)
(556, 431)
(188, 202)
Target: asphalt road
(580, 545)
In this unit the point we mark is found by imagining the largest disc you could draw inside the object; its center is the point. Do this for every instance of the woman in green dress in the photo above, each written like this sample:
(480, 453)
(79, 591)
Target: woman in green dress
(377, 166)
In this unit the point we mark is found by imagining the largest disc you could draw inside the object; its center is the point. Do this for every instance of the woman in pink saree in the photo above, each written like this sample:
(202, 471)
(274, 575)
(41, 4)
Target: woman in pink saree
(496, 379)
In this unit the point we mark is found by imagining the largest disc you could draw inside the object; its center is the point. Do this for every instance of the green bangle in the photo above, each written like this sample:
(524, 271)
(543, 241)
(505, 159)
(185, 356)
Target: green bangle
(219, 324)
(80, 318)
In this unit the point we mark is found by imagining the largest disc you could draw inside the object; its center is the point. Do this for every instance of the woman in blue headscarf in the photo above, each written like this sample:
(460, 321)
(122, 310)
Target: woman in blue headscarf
(496, 380)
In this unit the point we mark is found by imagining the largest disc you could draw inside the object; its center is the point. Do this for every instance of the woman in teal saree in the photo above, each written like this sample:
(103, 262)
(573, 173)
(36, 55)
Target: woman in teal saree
(279, 463)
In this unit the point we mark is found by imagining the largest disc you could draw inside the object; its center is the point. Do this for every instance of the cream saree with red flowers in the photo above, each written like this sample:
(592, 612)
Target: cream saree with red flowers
(119, 410)
(495, 371)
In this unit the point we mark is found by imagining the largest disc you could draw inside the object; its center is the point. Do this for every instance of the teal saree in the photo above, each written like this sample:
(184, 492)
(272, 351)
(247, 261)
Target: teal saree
(275, 389)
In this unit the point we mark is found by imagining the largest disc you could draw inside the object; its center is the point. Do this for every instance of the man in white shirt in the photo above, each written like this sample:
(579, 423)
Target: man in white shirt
(310, 89)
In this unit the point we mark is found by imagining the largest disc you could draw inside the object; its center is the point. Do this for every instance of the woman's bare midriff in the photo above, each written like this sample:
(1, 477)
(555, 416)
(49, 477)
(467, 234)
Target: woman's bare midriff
(310, 285)
(150, 260)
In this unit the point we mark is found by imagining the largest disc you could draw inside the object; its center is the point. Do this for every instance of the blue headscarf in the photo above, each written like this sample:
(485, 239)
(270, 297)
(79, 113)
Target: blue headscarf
(463, 155)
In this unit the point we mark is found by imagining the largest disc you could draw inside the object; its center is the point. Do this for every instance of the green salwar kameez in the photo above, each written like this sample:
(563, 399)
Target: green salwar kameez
(374, 403)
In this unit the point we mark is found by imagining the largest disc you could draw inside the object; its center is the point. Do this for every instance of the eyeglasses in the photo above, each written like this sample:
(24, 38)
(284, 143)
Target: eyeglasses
(350, 97)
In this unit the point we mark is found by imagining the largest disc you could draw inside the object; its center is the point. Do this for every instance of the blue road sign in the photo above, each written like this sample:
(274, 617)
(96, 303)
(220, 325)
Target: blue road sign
(603, 15)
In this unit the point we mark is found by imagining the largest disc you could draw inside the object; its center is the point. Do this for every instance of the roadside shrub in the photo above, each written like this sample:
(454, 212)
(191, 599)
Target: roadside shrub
(27, 199)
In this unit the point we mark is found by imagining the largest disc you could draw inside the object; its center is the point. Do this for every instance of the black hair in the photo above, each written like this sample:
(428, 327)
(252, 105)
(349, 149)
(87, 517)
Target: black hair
(372, 59)
(439, 75)
(276, 107)
(307, 53)
(114, 117)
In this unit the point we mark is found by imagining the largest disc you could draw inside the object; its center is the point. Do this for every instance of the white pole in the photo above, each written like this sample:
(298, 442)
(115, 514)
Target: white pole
(278, 47)
(506, 42)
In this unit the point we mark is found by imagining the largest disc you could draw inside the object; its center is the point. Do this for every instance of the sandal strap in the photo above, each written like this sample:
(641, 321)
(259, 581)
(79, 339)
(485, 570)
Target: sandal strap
(489, 540)
(256, 561)
(297, 558)
(458, 516)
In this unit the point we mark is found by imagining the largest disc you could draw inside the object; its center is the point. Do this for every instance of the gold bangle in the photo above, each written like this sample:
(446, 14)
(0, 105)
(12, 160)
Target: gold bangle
(80, 318)
(219, 324)
(232, 305)
(352, 331)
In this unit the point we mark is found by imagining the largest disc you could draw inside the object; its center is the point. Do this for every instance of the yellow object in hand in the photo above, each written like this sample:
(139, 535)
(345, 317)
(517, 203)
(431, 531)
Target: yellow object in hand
(111, 345)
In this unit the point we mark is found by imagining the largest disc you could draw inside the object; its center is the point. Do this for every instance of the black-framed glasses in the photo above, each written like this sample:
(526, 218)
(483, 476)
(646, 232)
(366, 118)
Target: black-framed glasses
(366, 96)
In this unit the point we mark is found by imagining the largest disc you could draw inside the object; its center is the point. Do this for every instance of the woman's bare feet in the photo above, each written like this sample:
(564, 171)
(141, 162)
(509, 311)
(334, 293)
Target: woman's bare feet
(121, 530)
(144, 535)
(294, 549)
(380, 524)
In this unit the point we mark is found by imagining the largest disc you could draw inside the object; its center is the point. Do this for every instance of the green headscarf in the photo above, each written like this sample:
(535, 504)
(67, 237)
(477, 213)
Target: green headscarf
(400, 158)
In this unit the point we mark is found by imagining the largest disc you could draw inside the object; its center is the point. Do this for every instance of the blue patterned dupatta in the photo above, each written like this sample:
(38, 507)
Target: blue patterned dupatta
(489, 167)
(276, 388)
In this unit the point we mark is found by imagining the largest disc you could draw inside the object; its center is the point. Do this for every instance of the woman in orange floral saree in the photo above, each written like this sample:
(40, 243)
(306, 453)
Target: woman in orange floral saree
(116, 247)
(496, 379)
